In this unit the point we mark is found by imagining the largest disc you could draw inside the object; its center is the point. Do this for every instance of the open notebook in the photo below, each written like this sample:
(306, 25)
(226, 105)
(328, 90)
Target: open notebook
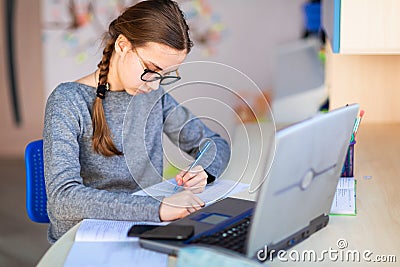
(105, 243)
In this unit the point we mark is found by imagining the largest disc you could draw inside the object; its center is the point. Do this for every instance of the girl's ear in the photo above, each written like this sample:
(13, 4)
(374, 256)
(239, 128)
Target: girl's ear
(122, 44)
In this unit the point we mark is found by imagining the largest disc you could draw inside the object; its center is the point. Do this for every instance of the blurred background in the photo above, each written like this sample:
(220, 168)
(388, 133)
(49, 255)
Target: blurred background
(275, 47)
(56, 41)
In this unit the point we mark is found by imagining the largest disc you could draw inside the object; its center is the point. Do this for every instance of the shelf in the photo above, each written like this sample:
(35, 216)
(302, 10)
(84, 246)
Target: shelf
(362, 26)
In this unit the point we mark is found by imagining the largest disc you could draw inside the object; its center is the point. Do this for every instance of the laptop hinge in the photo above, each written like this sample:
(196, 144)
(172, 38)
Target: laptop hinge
(314, 226)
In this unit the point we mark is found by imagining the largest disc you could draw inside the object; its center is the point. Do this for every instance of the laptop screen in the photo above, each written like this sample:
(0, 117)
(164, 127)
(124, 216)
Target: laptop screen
(302, 180)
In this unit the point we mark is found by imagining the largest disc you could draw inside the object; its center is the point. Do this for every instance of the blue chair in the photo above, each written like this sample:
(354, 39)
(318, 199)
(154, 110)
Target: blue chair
(36, 199)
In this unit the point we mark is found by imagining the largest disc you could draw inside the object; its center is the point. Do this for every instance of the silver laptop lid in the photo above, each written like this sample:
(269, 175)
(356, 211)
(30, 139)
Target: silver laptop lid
(302, 180)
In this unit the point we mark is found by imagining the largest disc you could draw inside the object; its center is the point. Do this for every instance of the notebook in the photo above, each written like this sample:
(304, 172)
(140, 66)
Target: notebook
(292, 203)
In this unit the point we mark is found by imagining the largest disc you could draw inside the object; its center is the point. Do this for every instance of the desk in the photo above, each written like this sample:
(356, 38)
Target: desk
(377, 224)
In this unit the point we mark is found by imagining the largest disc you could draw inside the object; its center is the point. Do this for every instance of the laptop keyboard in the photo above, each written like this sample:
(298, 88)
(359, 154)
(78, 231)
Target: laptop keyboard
(232, 238)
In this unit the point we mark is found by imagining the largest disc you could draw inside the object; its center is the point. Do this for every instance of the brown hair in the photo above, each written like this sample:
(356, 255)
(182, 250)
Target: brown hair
(159, 21)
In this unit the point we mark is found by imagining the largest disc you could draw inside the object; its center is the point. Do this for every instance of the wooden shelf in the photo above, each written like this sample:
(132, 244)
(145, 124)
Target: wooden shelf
(362, 26)
(373, 81)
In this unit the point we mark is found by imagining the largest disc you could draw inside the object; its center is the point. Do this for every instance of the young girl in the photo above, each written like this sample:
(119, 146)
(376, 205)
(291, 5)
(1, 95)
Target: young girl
(92, 124)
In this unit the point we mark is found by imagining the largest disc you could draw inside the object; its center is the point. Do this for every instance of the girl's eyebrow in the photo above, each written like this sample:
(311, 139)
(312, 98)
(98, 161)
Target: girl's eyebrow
(156, 66)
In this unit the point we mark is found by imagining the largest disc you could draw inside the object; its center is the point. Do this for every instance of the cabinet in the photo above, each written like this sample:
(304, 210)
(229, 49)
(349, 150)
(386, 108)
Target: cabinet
(373, 81)
(362, 26)
(363, 56)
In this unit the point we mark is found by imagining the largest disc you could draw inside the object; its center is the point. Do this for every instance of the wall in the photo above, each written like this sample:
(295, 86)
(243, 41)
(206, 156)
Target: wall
(253, 32)
(30, 80)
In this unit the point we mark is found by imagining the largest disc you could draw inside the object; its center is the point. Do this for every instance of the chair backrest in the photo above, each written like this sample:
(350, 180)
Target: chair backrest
(36, 199)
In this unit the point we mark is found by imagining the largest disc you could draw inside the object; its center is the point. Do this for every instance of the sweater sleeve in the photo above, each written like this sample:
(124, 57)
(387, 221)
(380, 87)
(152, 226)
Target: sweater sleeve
(189, 132)
(69, 199)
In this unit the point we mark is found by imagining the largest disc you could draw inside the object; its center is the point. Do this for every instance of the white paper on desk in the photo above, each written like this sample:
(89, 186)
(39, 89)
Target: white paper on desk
(344, 201)
(219, 189)
(105, 243)
(107, 230)
(121, 254)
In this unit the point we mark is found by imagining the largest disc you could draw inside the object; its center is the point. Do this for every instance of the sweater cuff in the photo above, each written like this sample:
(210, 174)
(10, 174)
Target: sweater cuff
(211, 178)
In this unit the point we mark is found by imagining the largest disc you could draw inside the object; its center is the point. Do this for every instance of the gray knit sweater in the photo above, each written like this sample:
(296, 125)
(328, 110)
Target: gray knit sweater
(83, 184)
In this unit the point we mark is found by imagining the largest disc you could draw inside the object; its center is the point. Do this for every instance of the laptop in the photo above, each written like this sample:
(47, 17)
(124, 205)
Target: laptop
(292, 203)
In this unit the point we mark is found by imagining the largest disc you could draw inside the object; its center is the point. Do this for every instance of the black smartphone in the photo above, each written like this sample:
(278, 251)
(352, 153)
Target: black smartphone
(137, 230)
(169, 232)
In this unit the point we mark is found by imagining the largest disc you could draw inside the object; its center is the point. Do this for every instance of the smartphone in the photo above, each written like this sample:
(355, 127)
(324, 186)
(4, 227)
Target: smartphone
(137, 230)
(169, 232)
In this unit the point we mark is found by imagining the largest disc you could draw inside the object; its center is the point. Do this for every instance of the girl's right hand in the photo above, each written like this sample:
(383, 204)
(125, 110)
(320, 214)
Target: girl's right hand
(179, 205)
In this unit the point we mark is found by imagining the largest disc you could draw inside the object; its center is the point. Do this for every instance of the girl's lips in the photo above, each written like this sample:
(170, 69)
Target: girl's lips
(143, 90)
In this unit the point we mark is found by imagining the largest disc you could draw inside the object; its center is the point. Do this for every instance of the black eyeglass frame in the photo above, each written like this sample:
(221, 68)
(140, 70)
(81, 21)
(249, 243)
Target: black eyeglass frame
(160, 77)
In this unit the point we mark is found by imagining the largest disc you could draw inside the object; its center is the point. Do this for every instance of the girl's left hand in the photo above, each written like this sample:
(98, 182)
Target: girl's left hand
(195, 180)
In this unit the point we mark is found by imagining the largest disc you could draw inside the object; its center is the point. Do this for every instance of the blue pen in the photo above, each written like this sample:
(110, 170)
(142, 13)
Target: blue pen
(198, 157)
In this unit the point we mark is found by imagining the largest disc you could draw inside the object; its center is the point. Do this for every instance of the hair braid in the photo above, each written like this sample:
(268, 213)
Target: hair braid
(101, 139)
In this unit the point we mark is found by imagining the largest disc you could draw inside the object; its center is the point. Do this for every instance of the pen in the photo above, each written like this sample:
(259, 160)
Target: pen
(198, 157)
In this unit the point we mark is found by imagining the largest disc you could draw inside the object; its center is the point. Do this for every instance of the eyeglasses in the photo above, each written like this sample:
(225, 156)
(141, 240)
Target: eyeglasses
(152, 76)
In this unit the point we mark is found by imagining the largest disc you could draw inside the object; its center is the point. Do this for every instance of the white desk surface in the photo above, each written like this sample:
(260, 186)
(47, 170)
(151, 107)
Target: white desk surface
(375, 228)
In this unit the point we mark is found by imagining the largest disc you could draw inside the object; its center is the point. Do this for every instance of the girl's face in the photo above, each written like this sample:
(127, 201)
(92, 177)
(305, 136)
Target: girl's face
(130, 62)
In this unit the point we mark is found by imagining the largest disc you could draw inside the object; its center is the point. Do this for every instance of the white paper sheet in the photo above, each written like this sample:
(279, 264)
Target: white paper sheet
(104, 243)
(107, 230)
(121, 254)
(213, 192)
